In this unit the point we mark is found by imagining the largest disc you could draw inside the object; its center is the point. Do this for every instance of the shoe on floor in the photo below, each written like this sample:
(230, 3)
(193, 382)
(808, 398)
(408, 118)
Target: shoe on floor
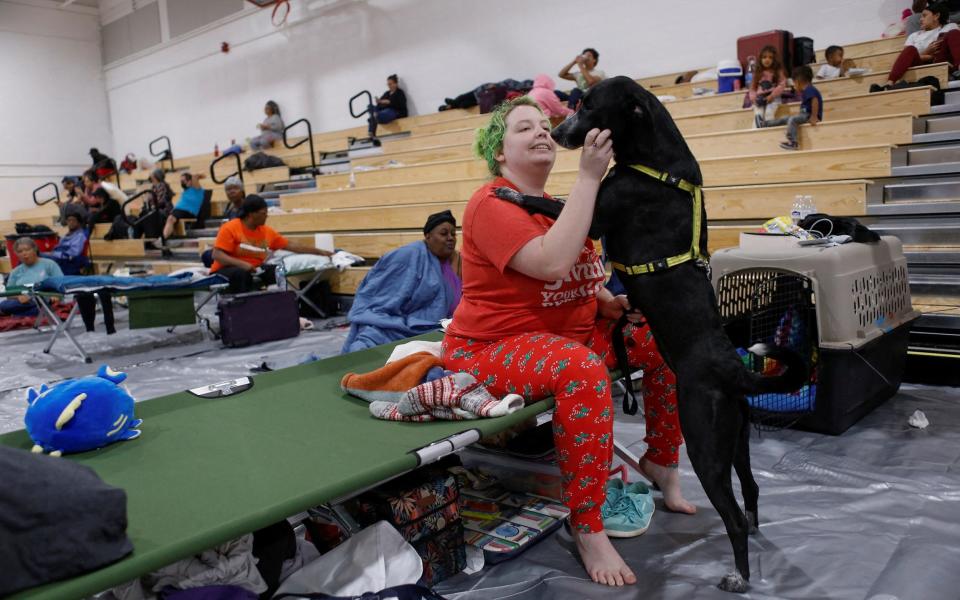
(166, 253)
(627, 510)
(790, 145)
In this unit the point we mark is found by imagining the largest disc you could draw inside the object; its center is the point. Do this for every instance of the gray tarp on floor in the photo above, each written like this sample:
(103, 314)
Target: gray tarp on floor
(870, 514)
(874, 513)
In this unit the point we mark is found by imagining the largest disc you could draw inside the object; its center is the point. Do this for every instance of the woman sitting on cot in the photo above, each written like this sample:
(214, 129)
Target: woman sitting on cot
(536, 320)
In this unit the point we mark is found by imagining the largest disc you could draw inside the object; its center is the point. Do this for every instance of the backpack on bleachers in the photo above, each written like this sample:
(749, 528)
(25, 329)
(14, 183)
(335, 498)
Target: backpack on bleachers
(260, 160)
(119, 229)
(491, 96)
(803, 53)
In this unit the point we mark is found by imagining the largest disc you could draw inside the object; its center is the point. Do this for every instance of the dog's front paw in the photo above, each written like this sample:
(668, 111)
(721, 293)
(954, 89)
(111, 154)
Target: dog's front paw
(510, 195)
(733, 582)
(753, 522)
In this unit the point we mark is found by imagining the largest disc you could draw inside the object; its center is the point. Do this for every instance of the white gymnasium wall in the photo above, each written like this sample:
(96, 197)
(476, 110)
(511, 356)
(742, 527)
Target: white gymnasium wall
(195, 94)
(53, 104)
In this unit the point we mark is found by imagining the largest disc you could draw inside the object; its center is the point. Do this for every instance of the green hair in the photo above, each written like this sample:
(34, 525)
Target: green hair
(488, 141)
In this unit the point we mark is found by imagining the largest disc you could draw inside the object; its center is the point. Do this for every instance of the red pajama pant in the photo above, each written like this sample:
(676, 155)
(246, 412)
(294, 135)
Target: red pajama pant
(949, 52)
(538, 365)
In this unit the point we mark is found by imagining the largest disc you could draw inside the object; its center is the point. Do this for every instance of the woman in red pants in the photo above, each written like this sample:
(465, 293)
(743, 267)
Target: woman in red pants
(937, 41)
(536, 320)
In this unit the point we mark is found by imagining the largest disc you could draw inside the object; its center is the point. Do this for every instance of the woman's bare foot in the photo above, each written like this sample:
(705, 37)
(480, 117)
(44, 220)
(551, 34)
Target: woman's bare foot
(668, 480)
(601, 559)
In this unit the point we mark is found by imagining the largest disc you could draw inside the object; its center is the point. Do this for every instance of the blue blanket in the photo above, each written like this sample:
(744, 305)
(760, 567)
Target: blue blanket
(91, 283)
(403, 295)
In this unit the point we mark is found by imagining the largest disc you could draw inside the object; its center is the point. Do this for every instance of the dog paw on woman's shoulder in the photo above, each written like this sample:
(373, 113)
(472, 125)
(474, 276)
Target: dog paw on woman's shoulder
(509, 194)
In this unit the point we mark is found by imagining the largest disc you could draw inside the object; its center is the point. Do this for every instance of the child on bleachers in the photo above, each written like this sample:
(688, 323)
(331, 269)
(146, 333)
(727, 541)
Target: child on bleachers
(769, 83)
(811, 107)
(835, 66)
(543, 93)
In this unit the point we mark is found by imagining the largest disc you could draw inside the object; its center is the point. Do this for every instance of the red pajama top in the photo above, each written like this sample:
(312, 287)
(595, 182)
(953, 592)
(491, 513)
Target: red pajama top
(498, 301)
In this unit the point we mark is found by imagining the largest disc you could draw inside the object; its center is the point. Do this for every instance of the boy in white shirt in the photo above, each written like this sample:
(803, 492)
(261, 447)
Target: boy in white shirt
(937, 41)
(834, 66)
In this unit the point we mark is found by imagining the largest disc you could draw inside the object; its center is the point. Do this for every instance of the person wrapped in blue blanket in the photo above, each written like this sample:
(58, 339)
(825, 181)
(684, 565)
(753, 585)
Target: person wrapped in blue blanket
(409, 290)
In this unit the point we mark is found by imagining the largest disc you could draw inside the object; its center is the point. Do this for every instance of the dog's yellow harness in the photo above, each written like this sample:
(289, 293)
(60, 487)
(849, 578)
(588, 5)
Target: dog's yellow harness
(696, 192)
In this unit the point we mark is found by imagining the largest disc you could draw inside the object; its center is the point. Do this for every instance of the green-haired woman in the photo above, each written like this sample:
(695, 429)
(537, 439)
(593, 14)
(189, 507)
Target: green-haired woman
(535, 319)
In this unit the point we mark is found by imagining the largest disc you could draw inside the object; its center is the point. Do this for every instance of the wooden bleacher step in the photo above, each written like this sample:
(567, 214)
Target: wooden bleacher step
(832, 88)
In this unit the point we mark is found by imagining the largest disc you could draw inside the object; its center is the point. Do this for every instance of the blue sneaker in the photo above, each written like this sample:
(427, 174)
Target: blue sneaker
(627, 510)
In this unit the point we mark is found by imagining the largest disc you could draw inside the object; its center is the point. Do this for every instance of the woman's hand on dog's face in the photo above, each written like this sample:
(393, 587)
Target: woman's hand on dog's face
(596, 154)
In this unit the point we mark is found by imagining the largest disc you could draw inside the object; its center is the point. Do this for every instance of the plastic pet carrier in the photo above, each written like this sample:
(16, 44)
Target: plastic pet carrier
(845, 309)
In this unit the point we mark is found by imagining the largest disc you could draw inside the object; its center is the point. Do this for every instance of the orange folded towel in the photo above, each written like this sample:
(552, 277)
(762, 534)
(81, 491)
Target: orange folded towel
(390, 382)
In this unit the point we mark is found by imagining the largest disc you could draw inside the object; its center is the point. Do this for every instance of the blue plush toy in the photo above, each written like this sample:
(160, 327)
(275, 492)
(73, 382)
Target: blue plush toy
(81, 414)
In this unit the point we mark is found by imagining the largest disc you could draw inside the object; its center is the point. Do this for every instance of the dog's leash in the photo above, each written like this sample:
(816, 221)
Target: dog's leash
(623, 365)
(696, 193)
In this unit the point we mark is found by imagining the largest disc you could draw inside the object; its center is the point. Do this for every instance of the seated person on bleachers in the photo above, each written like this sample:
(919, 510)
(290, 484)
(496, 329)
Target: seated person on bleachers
(32, 269)
(73, 197)
(409, 290)
(834, 67)
(244, 243)
(105, 209)
(103, 165)
(587, 75)
(392, 105)
(811, 108)
(543, 93)
(96, 203)
(157, 206)
(188, 207)
(937, 41)
(271, 129)
(69, 252)
(233, 187)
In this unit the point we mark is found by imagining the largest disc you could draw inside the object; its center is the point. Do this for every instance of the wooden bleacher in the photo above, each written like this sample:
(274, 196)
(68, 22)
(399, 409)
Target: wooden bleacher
(915, 101)
(879, 66)
(850, 51)
(829, 89)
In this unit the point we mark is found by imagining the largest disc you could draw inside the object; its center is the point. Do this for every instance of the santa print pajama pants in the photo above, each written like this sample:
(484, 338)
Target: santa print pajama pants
(540, 365)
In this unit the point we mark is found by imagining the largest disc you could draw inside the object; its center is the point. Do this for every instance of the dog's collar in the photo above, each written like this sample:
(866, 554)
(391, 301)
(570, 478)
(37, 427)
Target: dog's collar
(696, 192)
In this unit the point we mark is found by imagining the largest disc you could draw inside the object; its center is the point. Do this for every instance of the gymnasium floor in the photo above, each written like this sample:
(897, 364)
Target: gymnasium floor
(873, 514)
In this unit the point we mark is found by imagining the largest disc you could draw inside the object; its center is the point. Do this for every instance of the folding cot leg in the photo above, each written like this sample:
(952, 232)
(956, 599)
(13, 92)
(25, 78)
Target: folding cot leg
(63, 327)
(626, 456)
(204, 323)
(301, 295)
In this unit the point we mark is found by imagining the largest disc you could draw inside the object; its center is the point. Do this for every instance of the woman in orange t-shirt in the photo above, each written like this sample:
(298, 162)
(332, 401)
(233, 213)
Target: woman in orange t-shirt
(535, 319)
(243, 244)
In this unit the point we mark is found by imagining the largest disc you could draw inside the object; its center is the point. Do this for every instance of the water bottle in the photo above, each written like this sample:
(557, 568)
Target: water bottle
(748, 76)
(810, 207)
(353, 180)
(796, 212)
(281, 275)
(216, 150)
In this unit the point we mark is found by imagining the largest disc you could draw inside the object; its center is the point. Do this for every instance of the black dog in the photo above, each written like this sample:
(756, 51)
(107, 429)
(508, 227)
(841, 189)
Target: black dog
(644, 220)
